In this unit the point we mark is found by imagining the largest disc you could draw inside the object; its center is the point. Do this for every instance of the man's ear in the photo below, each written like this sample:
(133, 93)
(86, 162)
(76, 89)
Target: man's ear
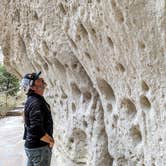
(33, 88)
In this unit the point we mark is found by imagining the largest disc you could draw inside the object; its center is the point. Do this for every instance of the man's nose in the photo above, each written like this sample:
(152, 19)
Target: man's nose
(44, 83)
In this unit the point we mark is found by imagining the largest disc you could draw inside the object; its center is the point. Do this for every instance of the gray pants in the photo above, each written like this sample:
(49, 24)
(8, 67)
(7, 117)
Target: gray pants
(39, 156)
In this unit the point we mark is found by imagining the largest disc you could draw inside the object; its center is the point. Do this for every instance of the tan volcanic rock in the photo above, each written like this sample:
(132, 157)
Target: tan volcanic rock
(105, 64)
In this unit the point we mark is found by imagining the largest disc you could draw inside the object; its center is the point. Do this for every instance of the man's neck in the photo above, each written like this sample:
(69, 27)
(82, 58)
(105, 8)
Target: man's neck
(38, 93)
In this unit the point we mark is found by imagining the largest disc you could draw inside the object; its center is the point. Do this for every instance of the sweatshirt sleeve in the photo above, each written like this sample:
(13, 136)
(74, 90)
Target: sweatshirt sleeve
(36, 121)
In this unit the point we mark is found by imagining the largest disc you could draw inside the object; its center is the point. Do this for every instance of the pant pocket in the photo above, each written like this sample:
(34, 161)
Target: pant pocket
(36, 158)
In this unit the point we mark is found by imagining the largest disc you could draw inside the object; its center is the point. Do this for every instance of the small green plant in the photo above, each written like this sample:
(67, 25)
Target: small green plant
(8, 82)
(9, 86)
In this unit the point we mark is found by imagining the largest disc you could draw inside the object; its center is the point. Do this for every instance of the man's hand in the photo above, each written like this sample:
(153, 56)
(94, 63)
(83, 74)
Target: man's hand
(51, 144)
(48, 139)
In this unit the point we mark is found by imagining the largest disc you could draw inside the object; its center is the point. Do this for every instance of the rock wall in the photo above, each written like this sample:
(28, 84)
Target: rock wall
(105, 65)
(1, 56)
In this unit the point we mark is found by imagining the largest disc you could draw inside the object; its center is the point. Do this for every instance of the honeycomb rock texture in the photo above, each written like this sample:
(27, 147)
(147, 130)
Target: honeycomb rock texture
(105, 65)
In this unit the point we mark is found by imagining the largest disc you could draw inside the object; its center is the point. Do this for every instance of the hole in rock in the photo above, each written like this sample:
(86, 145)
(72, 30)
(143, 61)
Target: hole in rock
(73, 44)
(62, 9)
(145, 104)
(113, 126)
(119, 15)
(64, 95)
(93, 32)
(45, 47)
(117, 12)
(48, 61)
(66, 65)
(145, 87)
(44, 27)
(22, 45)
(74, 66)
(75, 90)
(115, 118)
(85, 124)
(129, 106)
(160, 139)
(55, 54)
(114, 121)
(105, 89)
(87, 55)
(113, 3)
(92, 118)
(94, 103)
(16, 15)
(61, 102)
(141, 45)
(98, 69)
(79, 151)
(73, 106)
(83, 30)
(78, 37)
(59, 65)
(110, 42)
(87, 95)
(109, 107)
(109, 160)
(136, 134)
(120, 67)
(71, 140)
(45, 66)
(35, 16)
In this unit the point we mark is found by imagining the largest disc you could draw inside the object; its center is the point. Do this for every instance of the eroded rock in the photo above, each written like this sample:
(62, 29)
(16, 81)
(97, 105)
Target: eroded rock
(105, 63)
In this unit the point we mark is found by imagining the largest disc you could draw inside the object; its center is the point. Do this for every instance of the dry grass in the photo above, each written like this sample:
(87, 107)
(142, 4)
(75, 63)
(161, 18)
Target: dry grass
(12, 102)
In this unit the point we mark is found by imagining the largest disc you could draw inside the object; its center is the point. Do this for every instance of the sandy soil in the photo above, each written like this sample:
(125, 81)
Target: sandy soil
(11, 142)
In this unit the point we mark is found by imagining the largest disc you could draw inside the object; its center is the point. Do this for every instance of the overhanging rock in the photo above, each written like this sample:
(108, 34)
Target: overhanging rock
(105, 65)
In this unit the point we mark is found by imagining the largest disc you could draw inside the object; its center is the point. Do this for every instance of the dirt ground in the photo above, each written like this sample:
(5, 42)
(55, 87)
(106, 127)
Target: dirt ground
(11, 142)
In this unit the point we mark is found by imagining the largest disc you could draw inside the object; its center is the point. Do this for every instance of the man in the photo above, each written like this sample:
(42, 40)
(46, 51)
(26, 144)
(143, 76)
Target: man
(38, 122)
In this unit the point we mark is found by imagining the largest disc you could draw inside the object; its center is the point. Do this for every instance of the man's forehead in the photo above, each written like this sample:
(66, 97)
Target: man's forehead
(39, 79)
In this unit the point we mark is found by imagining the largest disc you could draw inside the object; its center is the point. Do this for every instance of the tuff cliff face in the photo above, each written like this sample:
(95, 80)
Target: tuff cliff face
(1, 56)
(105, 64)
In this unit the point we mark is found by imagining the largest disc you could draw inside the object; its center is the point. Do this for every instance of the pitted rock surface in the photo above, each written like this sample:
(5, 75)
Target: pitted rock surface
(105, 65)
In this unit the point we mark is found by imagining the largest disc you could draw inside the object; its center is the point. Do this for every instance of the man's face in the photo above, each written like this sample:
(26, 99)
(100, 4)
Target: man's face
(39, 86)
(40, 83)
